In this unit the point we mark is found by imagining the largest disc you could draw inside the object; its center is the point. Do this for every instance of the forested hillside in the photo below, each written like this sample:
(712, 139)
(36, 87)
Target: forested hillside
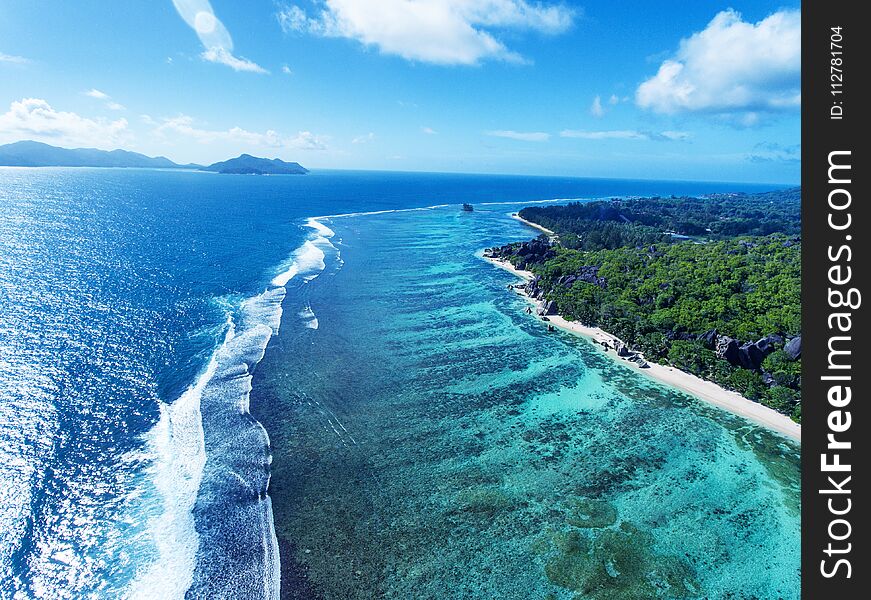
(617, 223)
(724, 304)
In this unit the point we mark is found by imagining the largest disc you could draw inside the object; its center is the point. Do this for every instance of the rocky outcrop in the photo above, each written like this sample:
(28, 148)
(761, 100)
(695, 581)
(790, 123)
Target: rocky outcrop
(727, 349)
(769, 343)
(750, 356)
(533, 289)
(523, 254)
(547, 308)
(526, 254)
(587, 274)
(709, 338)
(793, 348)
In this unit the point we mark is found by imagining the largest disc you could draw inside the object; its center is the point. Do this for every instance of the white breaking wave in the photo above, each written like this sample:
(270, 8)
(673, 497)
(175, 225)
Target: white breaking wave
(176, 444)
(322, 229)
(307, 261)
(381, 212)
(436, 206)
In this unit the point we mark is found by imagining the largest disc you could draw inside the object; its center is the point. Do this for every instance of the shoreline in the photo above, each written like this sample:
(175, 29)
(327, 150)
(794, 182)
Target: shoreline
(697, 387)
(517, 217)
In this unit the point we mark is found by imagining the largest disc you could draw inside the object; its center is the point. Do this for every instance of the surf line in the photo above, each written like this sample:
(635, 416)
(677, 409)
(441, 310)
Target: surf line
(177, 441)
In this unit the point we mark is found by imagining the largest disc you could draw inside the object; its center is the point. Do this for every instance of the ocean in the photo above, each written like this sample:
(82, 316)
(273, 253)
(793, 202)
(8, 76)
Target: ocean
(206, 392)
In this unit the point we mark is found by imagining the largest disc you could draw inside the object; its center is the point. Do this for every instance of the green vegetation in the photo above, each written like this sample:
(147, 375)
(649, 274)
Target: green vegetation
(617, 223)
(683, 301)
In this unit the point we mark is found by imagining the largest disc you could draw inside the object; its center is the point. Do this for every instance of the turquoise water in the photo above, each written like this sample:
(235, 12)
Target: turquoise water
(431, 440)
(419, 428)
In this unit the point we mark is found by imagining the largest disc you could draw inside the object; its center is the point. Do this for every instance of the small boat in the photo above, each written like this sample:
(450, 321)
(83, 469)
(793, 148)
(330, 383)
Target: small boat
(468, 207)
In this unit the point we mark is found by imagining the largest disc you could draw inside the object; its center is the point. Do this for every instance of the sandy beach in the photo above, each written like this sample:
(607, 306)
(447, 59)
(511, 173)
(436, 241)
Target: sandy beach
(704, 390)
(533, 225)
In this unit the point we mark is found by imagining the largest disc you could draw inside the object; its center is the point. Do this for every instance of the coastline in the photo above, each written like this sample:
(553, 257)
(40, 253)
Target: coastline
(517, 217)
(695, 386)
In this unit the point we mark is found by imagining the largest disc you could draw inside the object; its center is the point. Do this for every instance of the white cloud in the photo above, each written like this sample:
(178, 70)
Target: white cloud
(306, 140)
(183, 125)
(596, 108)
(222, 56)
(428, 130)
(524, 136)
(104, 97)
(625, 134)
(14, 60)
(286, 70)
(35, 119)
(216, 40)
(732, 67)
(446, 32)
(614, 99)
(362, 139)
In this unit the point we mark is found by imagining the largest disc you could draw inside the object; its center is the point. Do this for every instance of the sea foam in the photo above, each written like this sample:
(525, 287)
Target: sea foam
(307, 261)
(177, 443)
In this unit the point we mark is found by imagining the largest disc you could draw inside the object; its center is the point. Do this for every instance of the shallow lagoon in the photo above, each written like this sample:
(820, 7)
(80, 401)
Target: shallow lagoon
(431, 440)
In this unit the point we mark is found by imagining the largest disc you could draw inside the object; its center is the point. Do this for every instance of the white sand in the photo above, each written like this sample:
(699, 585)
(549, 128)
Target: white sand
(533, 225)
(705, 390)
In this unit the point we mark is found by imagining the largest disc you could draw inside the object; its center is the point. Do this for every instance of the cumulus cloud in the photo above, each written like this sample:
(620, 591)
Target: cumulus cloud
(13, 60)
(625, 134)
(445, 32)
(732, 67)
(286, 70)
(35, 119)
(216, 40)
(524, 136)
(185, 126)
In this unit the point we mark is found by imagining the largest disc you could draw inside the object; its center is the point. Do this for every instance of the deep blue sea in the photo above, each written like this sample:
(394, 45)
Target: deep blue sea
(207, 393)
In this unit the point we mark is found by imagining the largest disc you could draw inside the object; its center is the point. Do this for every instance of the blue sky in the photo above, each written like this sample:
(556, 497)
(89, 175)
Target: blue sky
(673, 90)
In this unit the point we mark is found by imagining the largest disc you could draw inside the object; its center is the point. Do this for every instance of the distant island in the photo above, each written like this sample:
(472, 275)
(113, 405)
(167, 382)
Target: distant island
(246, 164)
(36, 154)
